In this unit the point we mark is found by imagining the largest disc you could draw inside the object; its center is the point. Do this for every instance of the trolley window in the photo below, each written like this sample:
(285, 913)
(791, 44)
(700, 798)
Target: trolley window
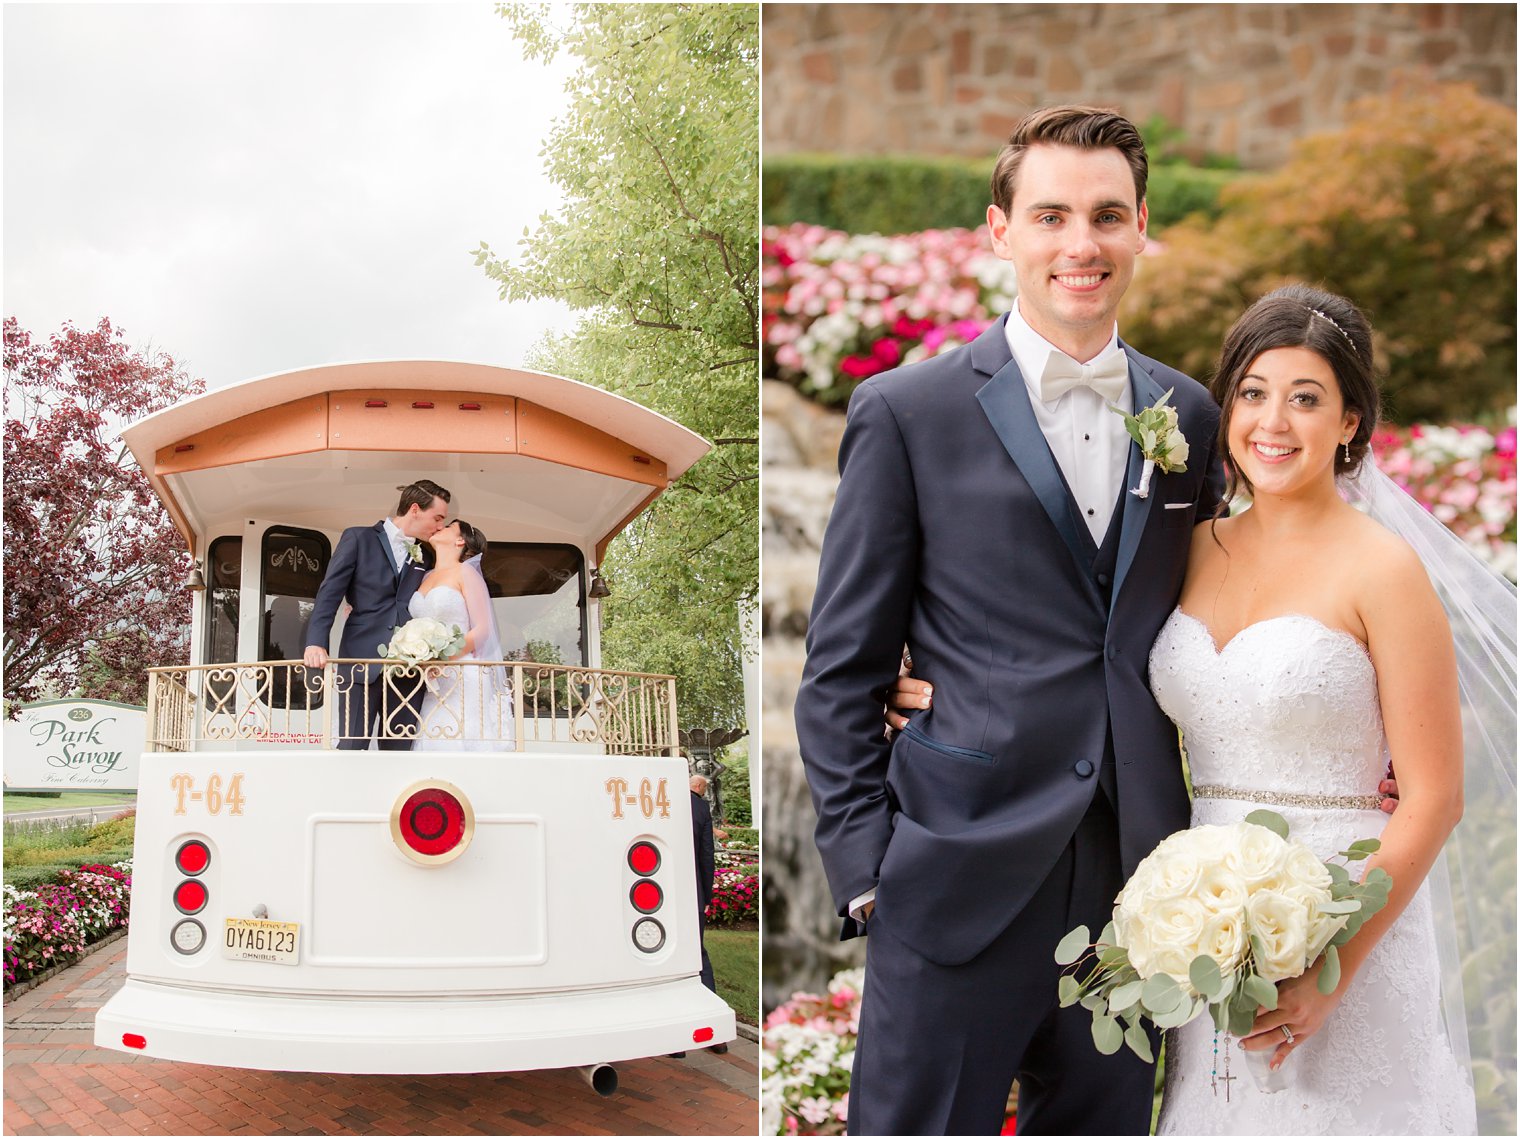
(292, 564)
(538, 591)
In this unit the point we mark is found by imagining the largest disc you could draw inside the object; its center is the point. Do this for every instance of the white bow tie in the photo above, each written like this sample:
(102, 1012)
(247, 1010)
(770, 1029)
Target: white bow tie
(1108, 377)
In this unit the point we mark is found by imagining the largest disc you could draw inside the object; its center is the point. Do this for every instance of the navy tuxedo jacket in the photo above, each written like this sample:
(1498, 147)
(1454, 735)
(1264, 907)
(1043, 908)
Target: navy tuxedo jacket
(953, 533)
(362, 571)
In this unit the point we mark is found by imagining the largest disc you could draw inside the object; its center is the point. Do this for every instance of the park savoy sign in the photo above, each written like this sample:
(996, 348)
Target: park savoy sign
(61, 745)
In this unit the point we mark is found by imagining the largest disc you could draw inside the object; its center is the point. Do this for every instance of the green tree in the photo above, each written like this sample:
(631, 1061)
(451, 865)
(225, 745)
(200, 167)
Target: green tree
(657, 240)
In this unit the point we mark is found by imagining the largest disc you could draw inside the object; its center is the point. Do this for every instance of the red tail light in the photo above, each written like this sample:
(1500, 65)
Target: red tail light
(643, 858)
(192, 857)
(190, 896)
(701, 1036)
(422, 404)
(132, 1040)
(432, 822)
(646, 896)
(376, 403)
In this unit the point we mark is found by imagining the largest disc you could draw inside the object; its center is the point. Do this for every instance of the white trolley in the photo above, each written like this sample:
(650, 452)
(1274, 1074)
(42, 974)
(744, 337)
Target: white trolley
(299, 907)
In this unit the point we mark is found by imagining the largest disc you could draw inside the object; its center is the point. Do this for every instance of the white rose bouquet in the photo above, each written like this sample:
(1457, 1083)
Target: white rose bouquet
(1212, 919)
(423, 639)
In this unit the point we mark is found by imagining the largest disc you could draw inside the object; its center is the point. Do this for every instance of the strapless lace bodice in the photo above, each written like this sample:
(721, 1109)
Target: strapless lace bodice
(1289, 706)
(442, 603)
(1286, 717)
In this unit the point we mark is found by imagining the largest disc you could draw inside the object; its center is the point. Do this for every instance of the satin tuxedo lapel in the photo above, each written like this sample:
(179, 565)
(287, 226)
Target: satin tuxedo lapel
(385, 548)
(1005, 402)
(1137, 511)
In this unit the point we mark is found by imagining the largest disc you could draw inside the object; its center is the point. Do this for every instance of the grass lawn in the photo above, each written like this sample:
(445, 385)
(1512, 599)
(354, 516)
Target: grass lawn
(16, 801)
(735, 956)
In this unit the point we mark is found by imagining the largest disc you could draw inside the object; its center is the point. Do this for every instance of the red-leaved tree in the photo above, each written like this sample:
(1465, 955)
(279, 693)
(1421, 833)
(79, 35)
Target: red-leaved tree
(93, 566)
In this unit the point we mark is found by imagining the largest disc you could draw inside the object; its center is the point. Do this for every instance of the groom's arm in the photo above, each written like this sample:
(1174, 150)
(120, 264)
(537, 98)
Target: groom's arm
(866, 580)
(330, 594)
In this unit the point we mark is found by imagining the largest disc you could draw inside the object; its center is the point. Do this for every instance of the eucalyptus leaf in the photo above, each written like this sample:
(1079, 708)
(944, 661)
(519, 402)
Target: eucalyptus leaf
(1159, 992)
(1242, 1018)
(1221, 1014)
(1068, 990)
(1125, 995)
(1110, 936)
(1339, 876)
(1176, 1017)
(1139, 1043)
(1106, 1034)
(1271, 820)
(1341, 906)
(1072, 946)
(1093, 1001)
(1262, 991)
(1205, 975)
(1330, 972)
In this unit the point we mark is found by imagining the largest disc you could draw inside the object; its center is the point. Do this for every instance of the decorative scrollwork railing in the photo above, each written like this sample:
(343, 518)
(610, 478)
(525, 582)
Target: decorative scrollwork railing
(458, 706)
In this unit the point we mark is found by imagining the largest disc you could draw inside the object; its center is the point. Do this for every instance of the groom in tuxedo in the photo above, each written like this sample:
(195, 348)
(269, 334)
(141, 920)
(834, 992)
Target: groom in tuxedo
(376, 569)
(985, 520)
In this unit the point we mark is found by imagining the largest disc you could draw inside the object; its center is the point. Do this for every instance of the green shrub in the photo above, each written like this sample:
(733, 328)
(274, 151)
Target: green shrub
(736, 797)
(1409, 210)
(907, 194)
(745, 837)
(34, 855)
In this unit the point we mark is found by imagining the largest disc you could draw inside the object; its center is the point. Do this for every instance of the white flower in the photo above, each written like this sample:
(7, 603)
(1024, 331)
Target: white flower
(1173, 935)
(1282, 925)
(1256, 854)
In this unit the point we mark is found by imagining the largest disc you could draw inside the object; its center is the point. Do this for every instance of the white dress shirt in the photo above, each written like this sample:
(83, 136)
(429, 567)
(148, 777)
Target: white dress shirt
(398, 543)
(1088, 440)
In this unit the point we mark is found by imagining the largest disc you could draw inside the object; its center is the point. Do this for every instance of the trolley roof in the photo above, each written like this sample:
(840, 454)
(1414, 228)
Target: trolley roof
(527, 455)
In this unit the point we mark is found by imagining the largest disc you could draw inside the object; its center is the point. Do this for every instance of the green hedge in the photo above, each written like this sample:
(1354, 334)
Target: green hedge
(34, 855)
(906, 194)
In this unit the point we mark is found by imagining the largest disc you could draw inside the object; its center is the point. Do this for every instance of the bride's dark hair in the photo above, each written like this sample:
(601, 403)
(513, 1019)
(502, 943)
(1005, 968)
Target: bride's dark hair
(1299, 316)
(474, 539)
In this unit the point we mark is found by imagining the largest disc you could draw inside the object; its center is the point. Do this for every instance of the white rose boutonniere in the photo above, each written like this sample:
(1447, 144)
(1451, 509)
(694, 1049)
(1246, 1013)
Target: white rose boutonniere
(414, 551)
(1162, 443)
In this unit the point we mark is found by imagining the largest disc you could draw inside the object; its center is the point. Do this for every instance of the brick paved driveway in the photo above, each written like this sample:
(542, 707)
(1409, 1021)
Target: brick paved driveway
(58, 1083)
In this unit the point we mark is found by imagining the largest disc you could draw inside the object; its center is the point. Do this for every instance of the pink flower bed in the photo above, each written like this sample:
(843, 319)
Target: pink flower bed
(839, 308)
(52, 924)
(806, 1053)
(1464, 474)
(736, 896)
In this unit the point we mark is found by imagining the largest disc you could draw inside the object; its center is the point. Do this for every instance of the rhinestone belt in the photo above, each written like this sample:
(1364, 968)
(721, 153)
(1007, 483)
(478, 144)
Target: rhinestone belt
(1285, 799)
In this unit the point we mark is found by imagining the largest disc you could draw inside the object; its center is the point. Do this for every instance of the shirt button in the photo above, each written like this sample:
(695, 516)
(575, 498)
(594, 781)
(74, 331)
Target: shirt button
(1086, 437)
(1103, 579)
(1089, 512)
(1084, 768)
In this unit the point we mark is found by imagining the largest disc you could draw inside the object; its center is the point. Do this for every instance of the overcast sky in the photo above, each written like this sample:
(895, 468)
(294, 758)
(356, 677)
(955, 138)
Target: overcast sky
(259, 187)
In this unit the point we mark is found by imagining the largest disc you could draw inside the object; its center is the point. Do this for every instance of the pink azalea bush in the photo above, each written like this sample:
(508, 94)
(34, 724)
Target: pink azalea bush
(52, 924)
(806, 1054)
(838, 308)
(736, 895)
(1463, 474)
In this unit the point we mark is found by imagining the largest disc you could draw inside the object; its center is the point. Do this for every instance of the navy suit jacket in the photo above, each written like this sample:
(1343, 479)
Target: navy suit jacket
(702, 844)
(362, 571)
(953, 533)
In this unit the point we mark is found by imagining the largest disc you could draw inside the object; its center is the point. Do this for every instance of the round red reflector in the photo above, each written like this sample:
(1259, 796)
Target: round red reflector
(190, 896)
(643, 858)
(646, 896)
(133, 1040)
(701, 1036)
(432, 821)
(192, 857)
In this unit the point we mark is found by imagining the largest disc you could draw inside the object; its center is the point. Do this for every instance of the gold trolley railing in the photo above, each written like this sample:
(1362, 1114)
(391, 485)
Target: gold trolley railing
(460, 705)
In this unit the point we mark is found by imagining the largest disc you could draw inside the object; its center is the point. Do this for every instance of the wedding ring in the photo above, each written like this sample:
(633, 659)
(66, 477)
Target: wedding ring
(1288, 1032)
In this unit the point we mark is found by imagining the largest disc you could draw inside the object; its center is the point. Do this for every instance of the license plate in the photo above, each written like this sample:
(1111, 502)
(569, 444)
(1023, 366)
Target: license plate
(250, 939)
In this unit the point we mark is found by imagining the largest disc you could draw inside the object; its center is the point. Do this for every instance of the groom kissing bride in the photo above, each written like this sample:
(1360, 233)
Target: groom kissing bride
(994, 517)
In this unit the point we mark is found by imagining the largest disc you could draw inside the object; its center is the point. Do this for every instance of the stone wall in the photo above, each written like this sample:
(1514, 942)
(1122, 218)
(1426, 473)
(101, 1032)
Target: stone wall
(1242, 80)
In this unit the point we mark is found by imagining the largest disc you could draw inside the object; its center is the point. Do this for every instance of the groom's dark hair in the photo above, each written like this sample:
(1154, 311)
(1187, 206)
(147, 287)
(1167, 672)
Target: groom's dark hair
(1086, 128)
(420, 494)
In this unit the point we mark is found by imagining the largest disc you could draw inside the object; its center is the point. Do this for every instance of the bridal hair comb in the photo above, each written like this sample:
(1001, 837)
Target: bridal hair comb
(1338, 328)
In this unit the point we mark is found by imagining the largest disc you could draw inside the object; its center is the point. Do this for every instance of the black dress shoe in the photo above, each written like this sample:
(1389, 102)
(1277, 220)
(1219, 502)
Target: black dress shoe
(719, 1048)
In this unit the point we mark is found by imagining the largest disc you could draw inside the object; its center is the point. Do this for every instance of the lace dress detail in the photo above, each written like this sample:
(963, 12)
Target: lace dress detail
(463, 709)
(1289, 709)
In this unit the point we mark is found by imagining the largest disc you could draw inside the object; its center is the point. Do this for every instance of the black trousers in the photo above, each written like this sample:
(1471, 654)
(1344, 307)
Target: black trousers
(939, 1046)
(378, 706)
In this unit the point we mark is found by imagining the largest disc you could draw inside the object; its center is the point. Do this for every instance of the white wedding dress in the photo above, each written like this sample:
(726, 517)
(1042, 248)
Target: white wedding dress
(1286, 717)
(463, 709)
